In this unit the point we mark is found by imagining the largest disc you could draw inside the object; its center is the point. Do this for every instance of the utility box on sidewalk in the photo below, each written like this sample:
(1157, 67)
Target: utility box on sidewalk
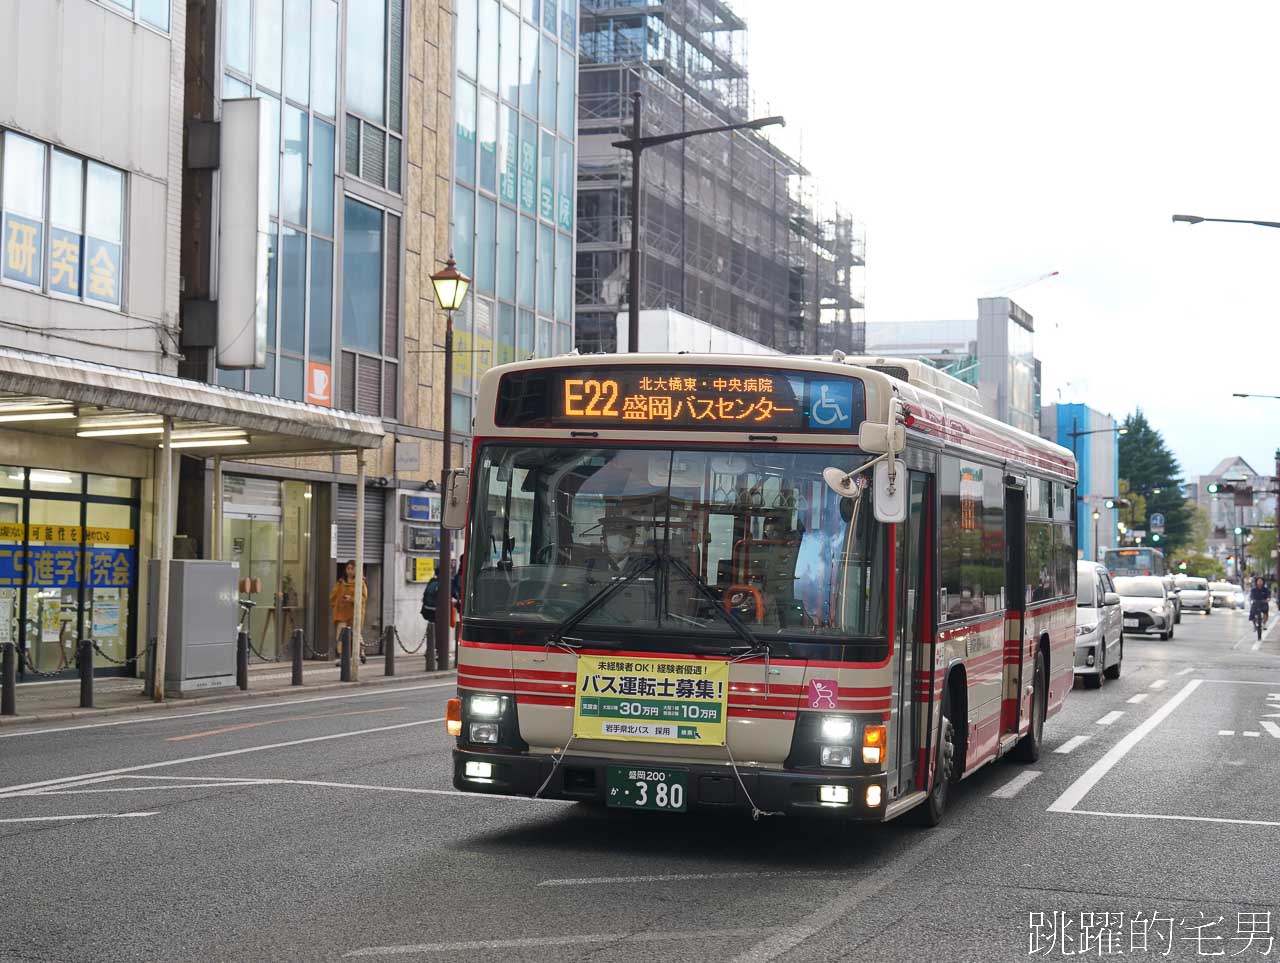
(203, 612)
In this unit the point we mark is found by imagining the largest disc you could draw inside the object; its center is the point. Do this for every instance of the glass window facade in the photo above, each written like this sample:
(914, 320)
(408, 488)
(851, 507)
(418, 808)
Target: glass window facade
(61, 223)
(286, 52)
(515, 174)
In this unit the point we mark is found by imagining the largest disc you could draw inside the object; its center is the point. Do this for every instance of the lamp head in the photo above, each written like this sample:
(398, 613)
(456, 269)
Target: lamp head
(450, 286)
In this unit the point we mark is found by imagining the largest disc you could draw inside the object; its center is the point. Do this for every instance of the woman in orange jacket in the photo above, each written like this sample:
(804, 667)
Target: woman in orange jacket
(342, 605)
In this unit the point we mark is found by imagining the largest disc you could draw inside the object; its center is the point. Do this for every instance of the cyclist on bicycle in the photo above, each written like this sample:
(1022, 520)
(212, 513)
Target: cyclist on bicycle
(1259, 598)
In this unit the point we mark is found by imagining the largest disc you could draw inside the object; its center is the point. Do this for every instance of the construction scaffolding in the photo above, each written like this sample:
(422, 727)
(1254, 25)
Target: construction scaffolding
(730, 229)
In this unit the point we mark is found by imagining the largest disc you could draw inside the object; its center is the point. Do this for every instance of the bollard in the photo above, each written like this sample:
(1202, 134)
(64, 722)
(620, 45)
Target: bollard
(430, 654)
(84, 662)
(299, 641)
(389, 650)
(149, 676)
(242, 661)
(345, 638)
(8, 680)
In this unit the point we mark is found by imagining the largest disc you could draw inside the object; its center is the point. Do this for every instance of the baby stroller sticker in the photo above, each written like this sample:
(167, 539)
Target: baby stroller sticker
(822, 693)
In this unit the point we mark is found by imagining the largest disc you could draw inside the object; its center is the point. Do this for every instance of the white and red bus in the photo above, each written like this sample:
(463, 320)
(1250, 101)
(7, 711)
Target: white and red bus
(781, 584)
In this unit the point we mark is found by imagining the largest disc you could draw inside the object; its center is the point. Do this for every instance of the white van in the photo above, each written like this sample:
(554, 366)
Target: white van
(1099, 625)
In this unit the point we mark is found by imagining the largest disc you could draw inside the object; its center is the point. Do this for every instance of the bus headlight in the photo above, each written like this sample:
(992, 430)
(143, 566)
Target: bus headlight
(837, 729)
(485, 706)
(841, 756)
(484, 733)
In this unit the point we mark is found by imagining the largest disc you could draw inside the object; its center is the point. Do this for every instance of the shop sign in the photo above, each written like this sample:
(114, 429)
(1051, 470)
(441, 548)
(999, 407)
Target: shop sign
(421, 539)
(66, 534)
(421, 569)
(53, 566)
(420, 508)
(319, 384)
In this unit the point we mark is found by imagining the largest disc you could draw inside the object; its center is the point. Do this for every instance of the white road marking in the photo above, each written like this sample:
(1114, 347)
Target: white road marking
(1271, 728)
(1016, 784)
(667, 878)
(1140, 697)
(1251, 735)
(65, 780)
(536, 941)
(1159, 684)
(163, 716)
(1188, 819)
(1226, 732)
(1186, 671)
(1110, 717)
(1256, 646)
(1072, 744)
(1078, 789)
(788, 938)
(57, 819)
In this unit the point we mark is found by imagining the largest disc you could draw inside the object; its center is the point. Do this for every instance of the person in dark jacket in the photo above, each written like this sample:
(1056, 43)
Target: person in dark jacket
(1259, 597)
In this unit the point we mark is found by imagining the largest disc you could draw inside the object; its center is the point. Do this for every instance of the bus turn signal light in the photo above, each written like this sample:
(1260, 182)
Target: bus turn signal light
(873, 742)
(453, 717)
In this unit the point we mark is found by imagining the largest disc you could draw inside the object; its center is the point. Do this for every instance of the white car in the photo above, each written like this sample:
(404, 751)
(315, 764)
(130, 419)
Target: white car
(1145, 603)
(1239, 599)
(1099, 632)
(1224, 595)
(1195, 593)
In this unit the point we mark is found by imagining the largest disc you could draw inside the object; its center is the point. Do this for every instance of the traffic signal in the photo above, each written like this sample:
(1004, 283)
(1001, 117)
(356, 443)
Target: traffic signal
(1213, 488)
(1110, 503)
(1239, 530)
(1182, 566)
(1155, 537)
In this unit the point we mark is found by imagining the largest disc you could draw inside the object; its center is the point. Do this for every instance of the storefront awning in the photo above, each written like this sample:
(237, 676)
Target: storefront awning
(78, 398)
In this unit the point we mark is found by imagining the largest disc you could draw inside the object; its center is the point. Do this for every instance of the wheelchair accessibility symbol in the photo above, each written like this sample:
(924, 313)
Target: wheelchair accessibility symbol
(830, 404)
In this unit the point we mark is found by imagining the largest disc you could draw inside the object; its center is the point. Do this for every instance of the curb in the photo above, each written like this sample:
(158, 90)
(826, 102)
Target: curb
(63, 715)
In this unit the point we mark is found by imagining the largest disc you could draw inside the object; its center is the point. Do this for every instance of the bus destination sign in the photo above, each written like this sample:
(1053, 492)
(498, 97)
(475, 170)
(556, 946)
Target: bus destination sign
(641, 396)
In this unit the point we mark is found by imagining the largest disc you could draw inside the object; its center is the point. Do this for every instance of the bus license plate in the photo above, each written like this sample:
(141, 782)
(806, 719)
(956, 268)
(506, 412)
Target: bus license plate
(642, 787)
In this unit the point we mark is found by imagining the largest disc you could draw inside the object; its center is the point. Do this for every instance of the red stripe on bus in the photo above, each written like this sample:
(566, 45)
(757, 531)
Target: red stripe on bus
(762, 713)
(471, 682)
(537, 700)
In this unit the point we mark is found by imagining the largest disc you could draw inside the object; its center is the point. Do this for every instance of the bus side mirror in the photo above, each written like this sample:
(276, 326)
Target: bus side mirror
(890, 484)
(453, 511)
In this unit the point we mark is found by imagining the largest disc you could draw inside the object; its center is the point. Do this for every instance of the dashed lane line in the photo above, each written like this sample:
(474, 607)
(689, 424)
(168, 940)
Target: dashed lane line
(670, 878)
(65, 819)
(1071, 744)
(1078, 789)
(1187, 671)
(1226, 732)
(1159, 684)
(1016, 784)
(531, 942)
(1139, 698)
(1110, 717)
(1251, 734)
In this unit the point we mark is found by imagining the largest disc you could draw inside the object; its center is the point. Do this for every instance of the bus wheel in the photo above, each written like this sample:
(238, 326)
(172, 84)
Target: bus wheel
(930, 812)
(1028, 749)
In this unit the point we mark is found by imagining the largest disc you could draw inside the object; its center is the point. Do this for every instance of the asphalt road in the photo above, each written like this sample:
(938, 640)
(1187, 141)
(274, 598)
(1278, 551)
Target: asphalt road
(326, 828)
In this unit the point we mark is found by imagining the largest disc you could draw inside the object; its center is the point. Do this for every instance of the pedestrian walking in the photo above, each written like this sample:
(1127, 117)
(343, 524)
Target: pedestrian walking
(430, 596)
(342, 605)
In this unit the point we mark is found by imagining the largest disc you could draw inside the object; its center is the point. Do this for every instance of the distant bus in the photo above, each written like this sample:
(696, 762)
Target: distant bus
(1134, 561)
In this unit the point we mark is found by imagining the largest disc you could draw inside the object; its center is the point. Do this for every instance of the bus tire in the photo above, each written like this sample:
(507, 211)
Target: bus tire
(930, 812)
(1028, 748)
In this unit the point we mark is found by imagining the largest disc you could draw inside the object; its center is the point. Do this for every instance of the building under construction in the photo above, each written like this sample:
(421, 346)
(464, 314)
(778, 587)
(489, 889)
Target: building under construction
(729, 228)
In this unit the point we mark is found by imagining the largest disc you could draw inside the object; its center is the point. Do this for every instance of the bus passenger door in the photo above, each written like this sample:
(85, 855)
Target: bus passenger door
(1015, 541)
(910, 633)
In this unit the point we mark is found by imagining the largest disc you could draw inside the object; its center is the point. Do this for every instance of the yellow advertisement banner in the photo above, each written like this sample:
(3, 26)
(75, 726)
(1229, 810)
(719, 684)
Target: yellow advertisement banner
(65, 534)
(658, 699)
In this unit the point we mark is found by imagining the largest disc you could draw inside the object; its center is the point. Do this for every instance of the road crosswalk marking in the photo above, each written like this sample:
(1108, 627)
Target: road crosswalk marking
(1271, 727)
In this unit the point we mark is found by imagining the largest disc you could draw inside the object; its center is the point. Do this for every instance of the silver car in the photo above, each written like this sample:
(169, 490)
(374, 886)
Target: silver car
(1145, 603)
(1224, 594)
(1099, 632)
(1195, 593)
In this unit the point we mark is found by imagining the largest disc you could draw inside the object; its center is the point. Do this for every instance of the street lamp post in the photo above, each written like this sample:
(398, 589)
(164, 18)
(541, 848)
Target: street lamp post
(1075, 433)
(450, 286)
(1096, 515)
(637, 144)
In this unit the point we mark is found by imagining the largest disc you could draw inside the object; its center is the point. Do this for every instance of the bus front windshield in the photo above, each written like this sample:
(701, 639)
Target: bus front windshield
(757, 534)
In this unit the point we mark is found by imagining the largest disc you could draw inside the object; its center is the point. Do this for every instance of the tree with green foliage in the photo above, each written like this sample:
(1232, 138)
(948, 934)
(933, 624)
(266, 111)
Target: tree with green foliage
(1261, 546)
(1153, 472)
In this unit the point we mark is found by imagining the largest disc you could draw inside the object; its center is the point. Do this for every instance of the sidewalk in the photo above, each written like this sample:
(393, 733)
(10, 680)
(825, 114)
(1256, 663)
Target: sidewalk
(60, 700)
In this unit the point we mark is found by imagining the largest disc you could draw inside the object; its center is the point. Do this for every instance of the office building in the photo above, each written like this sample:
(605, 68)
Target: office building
(1093, 438)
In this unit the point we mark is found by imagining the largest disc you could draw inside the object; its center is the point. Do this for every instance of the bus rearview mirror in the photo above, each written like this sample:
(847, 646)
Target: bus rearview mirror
(890, 484)
(882, 439)
(453, 508)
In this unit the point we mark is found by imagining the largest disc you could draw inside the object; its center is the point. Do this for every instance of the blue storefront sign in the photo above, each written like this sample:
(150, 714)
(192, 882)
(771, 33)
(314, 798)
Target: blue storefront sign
(58, 566)
(420, 508)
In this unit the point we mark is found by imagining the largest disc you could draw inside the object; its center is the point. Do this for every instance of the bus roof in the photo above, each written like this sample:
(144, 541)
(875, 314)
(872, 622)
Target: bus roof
(931, 420)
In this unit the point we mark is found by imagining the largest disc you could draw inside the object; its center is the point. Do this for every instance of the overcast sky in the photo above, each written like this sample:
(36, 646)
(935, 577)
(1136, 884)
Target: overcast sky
(984, 144)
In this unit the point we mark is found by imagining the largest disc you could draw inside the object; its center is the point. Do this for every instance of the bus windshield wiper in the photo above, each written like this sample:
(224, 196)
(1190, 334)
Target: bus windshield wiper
(739, 627)
(635, 568)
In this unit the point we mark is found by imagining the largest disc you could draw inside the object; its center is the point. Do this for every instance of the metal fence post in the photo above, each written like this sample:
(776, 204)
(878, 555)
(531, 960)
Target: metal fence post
(389, 650)
(345, 639)
(84, 662)
(299, 640)
(8, 680)
(242, 660)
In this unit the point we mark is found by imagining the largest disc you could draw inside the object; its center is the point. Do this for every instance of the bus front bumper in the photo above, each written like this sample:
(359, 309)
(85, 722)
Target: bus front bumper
(708, 787)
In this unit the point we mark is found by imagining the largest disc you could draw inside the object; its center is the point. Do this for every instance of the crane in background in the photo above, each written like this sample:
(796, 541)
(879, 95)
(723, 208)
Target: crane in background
(1005, 292)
